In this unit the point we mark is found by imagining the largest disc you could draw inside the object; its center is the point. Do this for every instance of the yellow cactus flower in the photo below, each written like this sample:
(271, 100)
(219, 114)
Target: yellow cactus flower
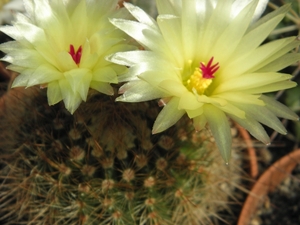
(62, 45)
(204, 58)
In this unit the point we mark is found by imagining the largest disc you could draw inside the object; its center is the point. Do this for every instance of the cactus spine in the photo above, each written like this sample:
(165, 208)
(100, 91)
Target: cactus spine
(103, 166)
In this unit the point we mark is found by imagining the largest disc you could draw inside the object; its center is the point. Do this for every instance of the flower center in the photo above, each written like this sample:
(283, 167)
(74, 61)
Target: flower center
(76, 55)
(202, 77)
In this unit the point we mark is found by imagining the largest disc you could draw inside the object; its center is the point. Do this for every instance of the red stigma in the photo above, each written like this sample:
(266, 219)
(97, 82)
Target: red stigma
(209, 70)
(75, 55)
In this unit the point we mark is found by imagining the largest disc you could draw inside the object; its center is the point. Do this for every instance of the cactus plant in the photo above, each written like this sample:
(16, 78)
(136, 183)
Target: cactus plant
(103, 166)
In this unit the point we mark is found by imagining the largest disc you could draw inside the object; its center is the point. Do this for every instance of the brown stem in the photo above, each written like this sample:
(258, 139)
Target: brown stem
(251, 151)
(267, 182)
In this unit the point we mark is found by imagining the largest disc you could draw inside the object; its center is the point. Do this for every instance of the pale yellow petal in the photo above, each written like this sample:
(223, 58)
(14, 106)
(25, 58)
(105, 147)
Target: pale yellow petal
(137, 91)
(258, 58)
(230, 108)
(169, 27)
(81, 20)
(282, 85)
(102, 87)
(173, 87)
(233, 34)
(189, 34)
(255, 128)
(256, 35)
(241, 97)
(147, 36)
(199, 122)
(66, 62)
(188, 101)
(279, 109)
(43, 75)
(75, 77)
(168, 116)
(263, 115)
(281, 63)
(166, 7)
(219, 126)
(248, 81)
(211, 100)
(84, 85)
(71, 99)
(195, 113)
(54, 93)
(105, 74)
(140, 15)
(208, 36)
(23, 78)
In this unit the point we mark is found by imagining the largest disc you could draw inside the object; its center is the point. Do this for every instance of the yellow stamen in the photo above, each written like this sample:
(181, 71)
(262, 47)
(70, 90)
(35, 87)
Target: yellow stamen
(197, 82)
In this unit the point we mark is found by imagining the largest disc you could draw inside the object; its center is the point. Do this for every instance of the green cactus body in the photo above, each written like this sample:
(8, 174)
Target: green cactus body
(103, 166)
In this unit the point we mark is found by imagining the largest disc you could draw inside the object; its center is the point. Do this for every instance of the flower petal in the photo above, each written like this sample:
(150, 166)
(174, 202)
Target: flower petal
(232, 109)
(254, 127)
(136, 91)
(279, 109)
(132, 57)
(140, 15)
(105, 74)
(54, 93)
(75, 77)
(169, 26)
(22, 79)
(281, 63)
(44, 74)
(188, 101)
(282, 85)
(249, 81)
(254, 37)
(175, 88)
(189, 16)
(141, 33)
(241, 97)
(231, 37)
(261, 6)
(84, 85)
(199, 122)
(219, 126)
(66, 62)
(194, 113)
(263, 115)
(168, 116)
(71, 99)
(259, 57)
(168, 7)
(102, 87)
